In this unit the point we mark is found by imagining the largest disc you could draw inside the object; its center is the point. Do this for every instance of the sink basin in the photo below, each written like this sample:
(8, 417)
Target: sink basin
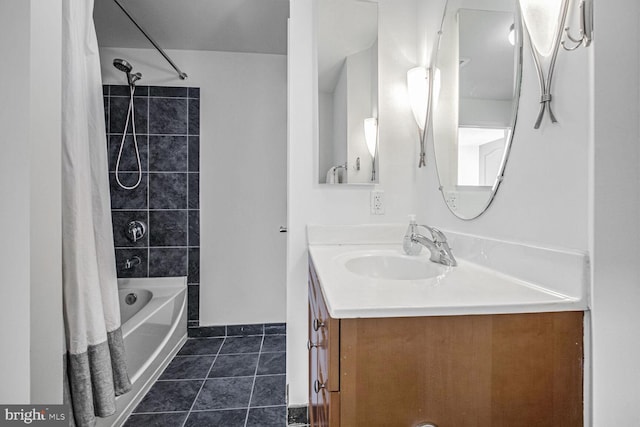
(394, 267)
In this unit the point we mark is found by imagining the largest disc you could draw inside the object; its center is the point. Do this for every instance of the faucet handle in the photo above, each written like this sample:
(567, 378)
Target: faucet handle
(135, 230)
(437, 235)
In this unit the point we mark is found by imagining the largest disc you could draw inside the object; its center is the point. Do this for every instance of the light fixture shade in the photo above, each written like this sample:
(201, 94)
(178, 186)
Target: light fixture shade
(542, 18)
(418, 86)
(371, 134)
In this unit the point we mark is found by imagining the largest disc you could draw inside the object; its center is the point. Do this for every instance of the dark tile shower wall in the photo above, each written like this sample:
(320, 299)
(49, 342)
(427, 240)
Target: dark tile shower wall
(167, 122)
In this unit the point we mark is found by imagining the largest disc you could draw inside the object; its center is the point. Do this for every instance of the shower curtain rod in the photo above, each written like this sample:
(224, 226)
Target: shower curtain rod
(153, 42)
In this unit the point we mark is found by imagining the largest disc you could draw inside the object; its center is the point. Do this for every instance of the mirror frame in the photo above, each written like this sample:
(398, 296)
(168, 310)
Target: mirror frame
(514, 110)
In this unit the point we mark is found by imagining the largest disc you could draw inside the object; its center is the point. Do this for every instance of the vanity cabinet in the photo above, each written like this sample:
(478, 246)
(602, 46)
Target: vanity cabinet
(505, 370)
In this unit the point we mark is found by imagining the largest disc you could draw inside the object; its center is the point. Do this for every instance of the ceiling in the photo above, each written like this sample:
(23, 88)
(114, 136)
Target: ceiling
(252, 26)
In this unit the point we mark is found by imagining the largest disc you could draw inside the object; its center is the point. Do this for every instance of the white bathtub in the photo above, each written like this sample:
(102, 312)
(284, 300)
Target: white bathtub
(154, 327)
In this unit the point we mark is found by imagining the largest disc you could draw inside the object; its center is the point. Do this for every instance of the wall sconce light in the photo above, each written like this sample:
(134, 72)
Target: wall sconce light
(371, 138)
(545, 22)
(418, 80)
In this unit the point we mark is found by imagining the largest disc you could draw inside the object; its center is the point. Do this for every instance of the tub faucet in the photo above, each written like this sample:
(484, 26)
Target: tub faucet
(132, 262)
(437, 245)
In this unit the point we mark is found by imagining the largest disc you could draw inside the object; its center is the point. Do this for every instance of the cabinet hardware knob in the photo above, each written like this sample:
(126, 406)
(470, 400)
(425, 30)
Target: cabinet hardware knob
(310, 345)
(317, 386)
(317, 324)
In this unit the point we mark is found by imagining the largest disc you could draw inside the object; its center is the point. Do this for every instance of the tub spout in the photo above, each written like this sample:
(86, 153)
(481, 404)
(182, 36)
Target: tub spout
(132, 262)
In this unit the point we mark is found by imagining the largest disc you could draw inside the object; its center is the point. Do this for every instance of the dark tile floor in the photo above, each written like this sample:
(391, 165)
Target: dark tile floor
(230, 381)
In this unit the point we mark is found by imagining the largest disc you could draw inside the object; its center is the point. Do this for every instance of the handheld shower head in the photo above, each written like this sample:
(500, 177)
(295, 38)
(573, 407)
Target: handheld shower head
(125, 67)
(122, 65)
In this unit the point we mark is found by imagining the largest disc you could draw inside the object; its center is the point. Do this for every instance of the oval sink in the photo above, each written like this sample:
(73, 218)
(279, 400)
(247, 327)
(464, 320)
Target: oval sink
(394, 267)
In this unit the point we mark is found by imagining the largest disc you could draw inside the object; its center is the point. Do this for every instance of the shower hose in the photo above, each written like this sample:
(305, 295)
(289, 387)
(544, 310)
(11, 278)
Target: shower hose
(130, 117)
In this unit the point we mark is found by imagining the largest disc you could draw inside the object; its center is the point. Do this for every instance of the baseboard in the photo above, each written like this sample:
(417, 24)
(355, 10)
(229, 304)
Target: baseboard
(237, 330)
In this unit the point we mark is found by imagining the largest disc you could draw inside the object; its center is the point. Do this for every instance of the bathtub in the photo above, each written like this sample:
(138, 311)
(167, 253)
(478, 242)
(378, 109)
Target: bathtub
(154, 327)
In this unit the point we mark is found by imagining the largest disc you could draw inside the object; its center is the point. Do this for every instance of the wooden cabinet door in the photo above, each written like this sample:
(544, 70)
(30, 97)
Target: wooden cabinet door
(518, 370)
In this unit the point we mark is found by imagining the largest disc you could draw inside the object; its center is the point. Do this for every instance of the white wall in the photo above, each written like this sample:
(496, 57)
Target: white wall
(30, 257)
(242, 175)
(310, 202)
(46, 209)
(615, 207)
(14, 191)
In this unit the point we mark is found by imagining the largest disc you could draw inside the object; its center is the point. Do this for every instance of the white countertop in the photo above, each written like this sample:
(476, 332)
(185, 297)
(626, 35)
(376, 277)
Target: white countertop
(467, 289)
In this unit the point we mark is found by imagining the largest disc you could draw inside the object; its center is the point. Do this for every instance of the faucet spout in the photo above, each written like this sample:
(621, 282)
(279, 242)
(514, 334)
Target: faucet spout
(438, 246)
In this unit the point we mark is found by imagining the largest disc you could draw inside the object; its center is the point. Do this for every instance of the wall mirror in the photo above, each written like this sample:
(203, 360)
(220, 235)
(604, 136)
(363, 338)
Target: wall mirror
(476, 88)
(347, 33)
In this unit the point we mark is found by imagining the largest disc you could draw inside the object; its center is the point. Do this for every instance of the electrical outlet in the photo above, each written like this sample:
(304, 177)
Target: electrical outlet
(377, 202)
(451, 197)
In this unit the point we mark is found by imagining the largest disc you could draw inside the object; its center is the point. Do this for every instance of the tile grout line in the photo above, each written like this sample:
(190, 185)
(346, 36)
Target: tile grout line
(218, 378)
(148, 190)
(203, 383)
(181, 135)
(158, 172)
(187, 208)
(151, 96)
(231, 354)
(207, 410)
(255, 374)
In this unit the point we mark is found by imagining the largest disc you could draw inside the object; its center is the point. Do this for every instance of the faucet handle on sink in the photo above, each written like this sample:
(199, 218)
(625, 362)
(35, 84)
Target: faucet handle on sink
(437, 235)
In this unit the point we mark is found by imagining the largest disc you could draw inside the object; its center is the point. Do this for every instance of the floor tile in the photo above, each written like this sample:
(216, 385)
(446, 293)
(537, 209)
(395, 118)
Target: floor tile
(187, 368)
(201, 346)
(224, 393)
(223, 418)
(234, 365)
(274, 343)
(156, 420)
(272, 363)
(167, 396)
(250, 344)
(245, 381)
(275, 416)
(269, 391)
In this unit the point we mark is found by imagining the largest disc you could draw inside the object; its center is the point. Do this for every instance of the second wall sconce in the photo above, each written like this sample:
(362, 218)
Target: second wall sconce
(545, 21)
(418, 80)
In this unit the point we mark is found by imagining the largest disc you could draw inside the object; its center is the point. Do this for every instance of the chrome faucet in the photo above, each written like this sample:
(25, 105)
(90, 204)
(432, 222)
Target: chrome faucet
(132, 262)
(437, 245)
(135, 230)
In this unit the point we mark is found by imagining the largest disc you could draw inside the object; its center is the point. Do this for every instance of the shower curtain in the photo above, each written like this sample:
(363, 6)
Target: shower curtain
(96, 370)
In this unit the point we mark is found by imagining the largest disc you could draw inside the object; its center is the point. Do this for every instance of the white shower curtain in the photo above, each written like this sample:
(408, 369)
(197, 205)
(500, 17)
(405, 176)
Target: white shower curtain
(96, 370)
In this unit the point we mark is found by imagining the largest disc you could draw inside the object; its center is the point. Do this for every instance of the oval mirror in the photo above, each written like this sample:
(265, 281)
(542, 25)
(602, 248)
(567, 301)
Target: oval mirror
(476, 88)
